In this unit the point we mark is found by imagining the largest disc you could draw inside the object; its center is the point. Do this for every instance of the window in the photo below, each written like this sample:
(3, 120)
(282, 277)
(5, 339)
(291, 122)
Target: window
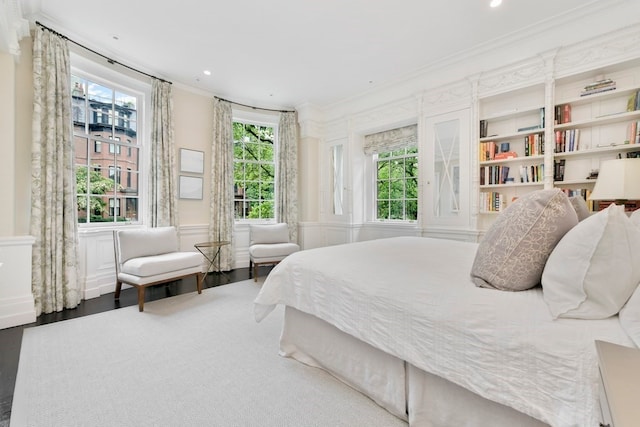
(113, 115)
(397, 184)
(254, 171)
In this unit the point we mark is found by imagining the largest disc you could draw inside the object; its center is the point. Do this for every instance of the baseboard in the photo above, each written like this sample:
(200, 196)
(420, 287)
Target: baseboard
(17, 311)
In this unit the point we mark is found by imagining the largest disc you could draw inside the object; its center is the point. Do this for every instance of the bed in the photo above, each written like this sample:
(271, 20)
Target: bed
(400, 320)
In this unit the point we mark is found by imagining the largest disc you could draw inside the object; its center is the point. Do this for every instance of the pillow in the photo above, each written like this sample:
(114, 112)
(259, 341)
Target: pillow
(513, 252)
(269, 233)
(630, 317)
(580, 205)
(595, 268)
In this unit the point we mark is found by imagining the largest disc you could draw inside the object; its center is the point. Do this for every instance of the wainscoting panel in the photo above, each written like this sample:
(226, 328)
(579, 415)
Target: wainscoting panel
(16, 299)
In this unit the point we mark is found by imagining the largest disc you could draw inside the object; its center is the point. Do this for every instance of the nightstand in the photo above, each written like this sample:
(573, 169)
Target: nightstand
(619, 384)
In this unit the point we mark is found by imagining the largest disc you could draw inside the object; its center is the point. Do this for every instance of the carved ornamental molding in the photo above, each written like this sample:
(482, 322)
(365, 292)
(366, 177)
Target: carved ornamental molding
(13, 27)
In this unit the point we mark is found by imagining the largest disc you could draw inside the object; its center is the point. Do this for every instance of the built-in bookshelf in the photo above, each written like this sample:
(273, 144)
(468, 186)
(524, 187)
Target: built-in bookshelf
(593, 116)
(596, 118)
(511, 147)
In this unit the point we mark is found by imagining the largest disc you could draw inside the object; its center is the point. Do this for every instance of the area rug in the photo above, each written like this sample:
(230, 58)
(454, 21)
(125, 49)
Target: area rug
(189, 360)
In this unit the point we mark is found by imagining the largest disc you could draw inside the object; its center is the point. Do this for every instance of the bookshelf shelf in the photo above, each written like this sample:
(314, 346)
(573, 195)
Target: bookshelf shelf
(619, 148)
(514, 113)
(511, 185)
(603, 120)
(522, 159)
(574, 182)
(587, 99)
(510, 135)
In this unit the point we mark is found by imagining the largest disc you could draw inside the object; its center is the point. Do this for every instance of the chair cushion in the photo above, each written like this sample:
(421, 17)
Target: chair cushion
(269, 233)
(272, 252)
(159, 264)
(146, 242)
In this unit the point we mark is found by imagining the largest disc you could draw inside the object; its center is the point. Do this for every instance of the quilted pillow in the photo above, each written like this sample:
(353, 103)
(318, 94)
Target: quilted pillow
(513, 252)
(595, 268)
(580, 205)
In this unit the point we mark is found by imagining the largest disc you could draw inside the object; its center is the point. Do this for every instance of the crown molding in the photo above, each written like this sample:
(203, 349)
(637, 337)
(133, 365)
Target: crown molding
(13, 27)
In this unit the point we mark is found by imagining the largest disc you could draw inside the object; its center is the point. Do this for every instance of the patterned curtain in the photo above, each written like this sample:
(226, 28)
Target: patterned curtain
(221, 224)
(287, 179)
(163, 200)
(391, 140)
(56, 282)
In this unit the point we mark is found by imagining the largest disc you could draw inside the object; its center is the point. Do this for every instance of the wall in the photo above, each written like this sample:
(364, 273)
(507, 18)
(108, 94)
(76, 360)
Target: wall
(16, 299)
(603, 34)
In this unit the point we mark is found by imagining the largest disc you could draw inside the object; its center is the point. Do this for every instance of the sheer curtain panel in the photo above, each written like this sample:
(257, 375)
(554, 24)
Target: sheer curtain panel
(54, 217)
(163, 200)
(221, 208)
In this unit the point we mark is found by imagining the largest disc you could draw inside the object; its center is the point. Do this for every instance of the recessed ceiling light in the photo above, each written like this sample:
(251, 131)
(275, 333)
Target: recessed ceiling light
(495, 3)
(207, 72)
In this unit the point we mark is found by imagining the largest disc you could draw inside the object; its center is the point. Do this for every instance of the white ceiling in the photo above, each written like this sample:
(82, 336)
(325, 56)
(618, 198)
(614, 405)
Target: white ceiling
(285, 53)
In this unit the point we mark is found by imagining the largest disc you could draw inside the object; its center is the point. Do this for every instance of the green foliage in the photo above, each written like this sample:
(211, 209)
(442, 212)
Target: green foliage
(92, 183)
(254, 170)
(397, 185)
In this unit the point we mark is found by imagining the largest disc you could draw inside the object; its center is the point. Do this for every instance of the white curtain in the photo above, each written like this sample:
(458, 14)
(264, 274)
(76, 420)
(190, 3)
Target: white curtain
(163, 200)
(287, 179)
(56, 282)
(221, 208)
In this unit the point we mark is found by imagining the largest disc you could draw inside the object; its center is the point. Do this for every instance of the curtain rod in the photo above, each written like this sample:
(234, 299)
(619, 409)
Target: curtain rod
(255, 108)
(109, 60)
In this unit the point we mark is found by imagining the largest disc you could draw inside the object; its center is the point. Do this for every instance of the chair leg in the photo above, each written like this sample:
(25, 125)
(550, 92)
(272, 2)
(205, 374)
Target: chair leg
(118, 289)
(199, 280)
(140, 298)
(255, 272)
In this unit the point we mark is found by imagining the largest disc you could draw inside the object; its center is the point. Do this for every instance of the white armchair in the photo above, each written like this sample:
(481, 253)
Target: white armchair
(151, 256)
(269, 245)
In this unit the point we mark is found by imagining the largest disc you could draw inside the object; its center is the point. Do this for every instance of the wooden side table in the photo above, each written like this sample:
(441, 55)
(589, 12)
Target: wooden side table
(619, 384)
(211, 252)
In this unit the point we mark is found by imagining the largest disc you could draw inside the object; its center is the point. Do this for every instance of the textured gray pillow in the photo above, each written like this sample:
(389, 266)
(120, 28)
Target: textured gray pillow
(512, 254)
(580, 205)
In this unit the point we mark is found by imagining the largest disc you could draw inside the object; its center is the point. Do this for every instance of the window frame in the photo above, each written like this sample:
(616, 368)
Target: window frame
(110, 77)
(375, 159)
(270, 119)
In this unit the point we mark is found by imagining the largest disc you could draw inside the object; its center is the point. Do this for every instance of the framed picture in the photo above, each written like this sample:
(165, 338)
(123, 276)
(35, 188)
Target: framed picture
(191, 161)
(190, 187)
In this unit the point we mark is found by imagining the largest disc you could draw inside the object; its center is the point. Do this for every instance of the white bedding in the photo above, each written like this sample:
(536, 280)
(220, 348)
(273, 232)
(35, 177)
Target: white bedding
(412, 298)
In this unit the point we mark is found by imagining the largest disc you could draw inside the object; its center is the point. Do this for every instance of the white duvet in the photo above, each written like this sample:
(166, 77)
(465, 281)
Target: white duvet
(412, 297)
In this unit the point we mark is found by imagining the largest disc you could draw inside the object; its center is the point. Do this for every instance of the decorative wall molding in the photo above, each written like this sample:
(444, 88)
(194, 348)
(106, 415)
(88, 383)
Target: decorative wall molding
(388, 116)
(13, 27)
(617, 47)
(512, 77)
(16, 299)
(447, 98)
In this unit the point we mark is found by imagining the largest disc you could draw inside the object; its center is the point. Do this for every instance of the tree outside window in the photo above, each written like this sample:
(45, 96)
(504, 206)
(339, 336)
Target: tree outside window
(397, 185)
(254, 171)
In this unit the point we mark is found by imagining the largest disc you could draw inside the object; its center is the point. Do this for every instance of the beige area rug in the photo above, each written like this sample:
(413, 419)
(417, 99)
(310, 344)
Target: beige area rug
(189, 360)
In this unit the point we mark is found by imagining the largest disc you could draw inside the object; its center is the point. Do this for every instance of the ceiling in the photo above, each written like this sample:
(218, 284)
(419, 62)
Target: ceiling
(285, 53)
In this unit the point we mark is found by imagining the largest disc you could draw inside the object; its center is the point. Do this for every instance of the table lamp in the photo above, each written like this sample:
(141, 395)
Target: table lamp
(618, 180)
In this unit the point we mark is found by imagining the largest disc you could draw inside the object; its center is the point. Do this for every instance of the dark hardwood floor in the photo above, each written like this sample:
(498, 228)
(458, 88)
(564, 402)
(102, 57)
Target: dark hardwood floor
(11, 338)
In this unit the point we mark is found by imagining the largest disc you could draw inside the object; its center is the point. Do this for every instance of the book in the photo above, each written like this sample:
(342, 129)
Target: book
(483, 128)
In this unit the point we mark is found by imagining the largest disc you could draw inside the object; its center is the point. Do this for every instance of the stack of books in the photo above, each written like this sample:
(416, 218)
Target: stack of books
(598, 86)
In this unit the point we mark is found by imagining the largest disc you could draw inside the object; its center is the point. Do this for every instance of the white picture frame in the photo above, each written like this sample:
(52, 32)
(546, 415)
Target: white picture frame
(190, 187)
(191, 161)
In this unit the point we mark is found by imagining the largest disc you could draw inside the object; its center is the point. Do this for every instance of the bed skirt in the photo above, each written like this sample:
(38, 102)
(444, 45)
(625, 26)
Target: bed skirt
(402, 389)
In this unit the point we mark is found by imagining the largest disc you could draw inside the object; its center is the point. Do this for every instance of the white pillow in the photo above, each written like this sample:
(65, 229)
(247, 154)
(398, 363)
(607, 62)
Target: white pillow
(630, 317)
(595, 268)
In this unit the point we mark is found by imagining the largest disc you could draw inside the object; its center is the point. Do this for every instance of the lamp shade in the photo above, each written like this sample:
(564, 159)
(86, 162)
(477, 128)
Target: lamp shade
(618, 179)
